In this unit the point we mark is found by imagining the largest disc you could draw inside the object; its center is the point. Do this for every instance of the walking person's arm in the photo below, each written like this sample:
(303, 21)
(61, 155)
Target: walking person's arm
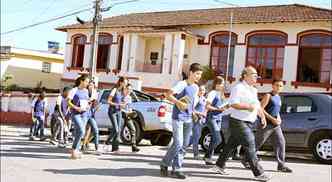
(178, 88)
(264, 103)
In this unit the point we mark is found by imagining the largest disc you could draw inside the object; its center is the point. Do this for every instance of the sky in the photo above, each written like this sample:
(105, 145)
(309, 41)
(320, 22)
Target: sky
(19, 13)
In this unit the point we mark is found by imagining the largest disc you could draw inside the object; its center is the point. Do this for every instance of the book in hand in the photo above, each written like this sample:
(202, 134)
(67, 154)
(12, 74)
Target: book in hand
(185, 102)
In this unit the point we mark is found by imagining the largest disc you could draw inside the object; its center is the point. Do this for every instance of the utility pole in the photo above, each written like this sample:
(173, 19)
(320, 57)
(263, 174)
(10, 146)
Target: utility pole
(229, 45)
(94, 41)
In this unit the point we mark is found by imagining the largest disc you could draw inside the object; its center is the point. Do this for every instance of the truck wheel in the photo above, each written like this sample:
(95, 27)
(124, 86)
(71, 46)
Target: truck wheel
(126, 134)
(205, 139)
(164, 140)
(322, 148)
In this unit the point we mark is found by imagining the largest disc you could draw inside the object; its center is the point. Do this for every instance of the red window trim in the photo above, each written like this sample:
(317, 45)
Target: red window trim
(109, 47)
(200, 41)
(296, 84)
(267, 81)
(230, 78)
(70, 68)
(265, 32)
(299, 37)
(72, 39)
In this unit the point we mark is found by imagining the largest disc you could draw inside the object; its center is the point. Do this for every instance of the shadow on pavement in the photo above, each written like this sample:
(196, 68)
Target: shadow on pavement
(36, 156)
(224, 177)
(122, 172)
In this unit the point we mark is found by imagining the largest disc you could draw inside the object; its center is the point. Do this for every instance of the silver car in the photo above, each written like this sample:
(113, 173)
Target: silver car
(153, 121)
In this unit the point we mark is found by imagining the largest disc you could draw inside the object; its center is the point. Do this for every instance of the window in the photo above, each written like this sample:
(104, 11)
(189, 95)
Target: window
(266, 53)
(298, 104)
(219, 51)
(154, 57)
(78, 50)
(46, 67)
(104, 44)
(315, 58)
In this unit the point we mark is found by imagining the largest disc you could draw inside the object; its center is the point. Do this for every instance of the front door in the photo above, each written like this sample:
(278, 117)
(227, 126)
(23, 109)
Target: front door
(299, 114)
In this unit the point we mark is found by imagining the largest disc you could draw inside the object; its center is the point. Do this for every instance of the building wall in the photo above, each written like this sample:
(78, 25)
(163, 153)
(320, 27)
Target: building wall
(291, 51)
(28, 72)
(201, 53)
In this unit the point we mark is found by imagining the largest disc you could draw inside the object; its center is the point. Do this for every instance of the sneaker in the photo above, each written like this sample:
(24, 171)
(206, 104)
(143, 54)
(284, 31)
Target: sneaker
(163, 171)
(116, 151)
(263, 177)
(220, 170)
(75, 155)
(43, 138)
(245, 164)
(209, 162)
(53, 142)
(99, 152)
(32, 138)
(178, 175)
(236, 157)
(135, 149)
(61, 145)
(284, 169)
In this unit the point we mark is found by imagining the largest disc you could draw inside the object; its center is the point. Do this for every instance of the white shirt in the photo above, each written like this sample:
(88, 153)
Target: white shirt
(179, 87)
(243, 93)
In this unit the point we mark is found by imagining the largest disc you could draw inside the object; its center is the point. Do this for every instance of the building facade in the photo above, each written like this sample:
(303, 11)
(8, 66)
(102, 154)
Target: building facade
(31, 68)
(291, 42)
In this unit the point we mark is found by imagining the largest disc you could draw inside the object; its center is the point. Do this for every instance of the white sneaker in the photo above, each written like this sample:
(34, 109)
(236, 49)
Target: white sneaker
(263, 177)
(220, 170)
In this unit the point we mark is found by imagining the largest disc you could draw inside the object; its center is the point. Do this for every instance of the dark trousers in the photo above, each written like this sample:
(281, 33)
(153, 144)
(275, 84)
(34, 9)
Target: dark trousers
(241, 134)
(278, 141)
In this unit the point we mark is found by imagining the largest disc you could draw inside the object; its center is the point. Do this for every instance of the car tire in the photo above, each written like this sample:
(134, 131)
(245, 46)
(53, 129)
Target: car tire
(126, 136)
(205, 139)
(322, 148)
(161, 139)
(164, 140)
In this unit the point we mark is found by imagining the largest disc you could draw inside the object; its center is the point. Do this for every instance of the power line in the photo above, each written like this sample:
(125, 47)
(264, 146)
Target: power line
(46, 21)
(45, 10)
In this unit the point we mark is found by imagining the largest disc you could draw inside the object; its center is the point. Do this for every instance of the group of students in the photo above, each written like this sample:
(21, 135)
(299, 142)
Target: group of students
(192, 109)
(78, 105)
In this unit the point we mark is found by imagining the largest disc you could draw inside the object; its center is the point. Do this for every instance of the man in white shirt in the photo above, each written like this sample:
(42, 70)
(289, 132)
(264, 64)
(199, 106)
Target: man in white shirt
(245, 108)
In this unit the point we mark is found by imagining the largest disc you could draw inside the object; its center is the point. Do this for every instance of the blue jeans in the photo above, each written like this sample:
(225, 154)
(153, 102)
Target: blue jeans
(197, 129)
(214, 126)
(95, 130)
(36, 126)
(241, 134)
(181, 137)
(116, 120)
(80, 121)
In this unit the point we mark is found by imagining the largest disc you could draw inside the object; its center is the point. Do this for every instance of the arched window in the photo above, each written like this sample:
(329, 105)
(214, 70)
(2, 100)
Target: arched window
(78, 50)
(265, 51)
(104, 44)
(219, 51)
(315, 58)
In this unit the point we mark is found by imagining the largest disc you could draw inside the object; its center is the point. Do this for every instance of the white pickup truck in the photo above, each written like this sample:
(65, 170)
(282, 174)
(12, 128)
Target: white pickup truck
(153, 121)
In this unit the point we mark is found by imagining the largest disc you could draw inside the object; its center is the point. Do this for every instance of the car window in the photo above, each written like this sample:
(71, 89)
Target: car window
(144, 97)
(297, 104)
(104, 97)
